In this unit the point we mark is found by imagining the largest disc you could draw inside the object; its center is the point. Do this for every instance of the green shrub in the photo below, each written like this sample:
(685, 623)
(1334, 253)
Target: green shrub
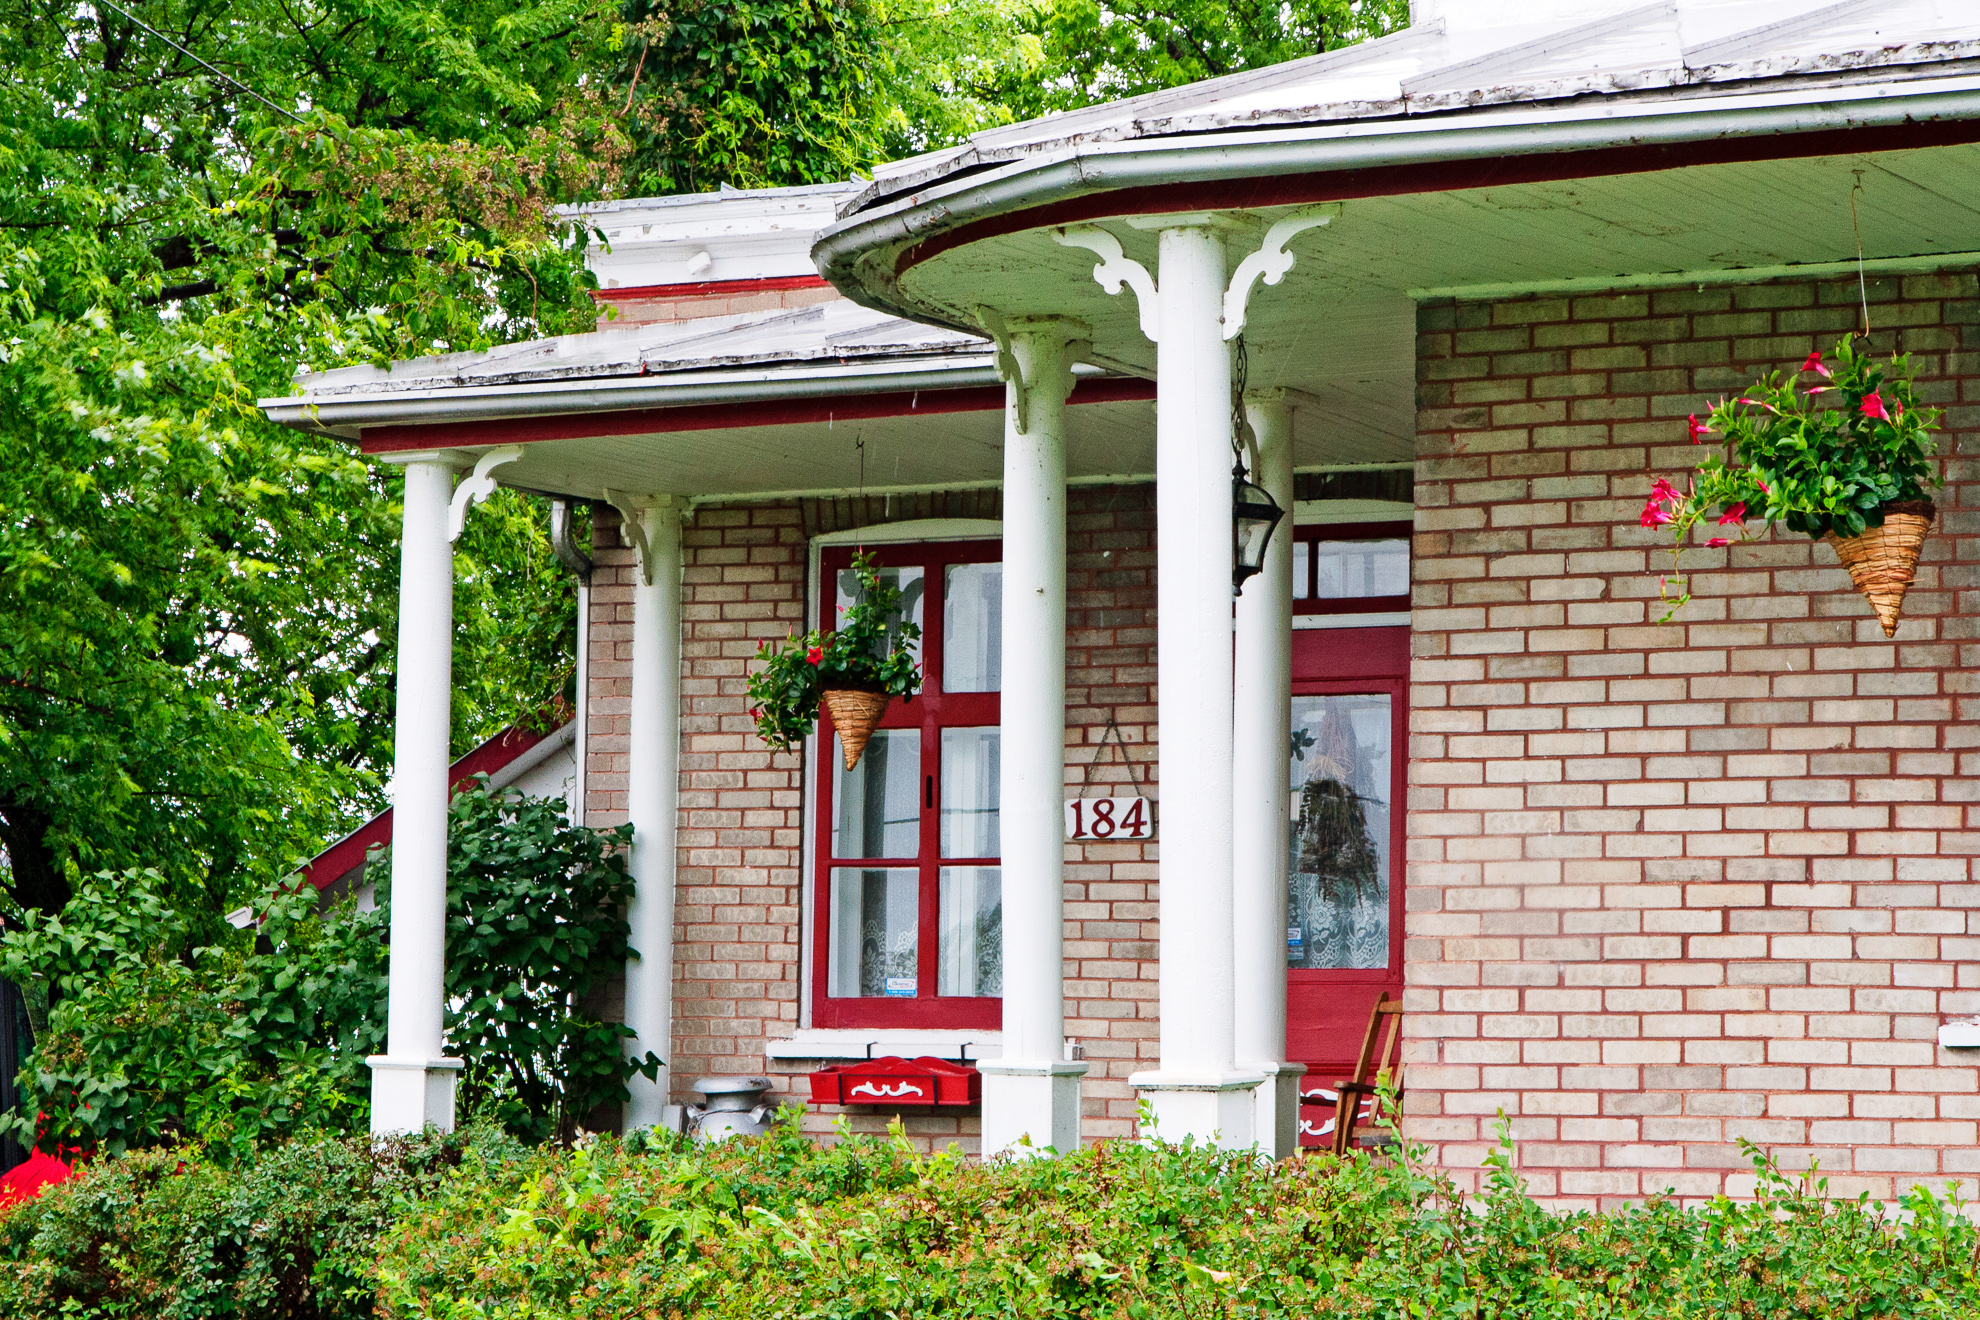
(287, 1233)
(868, 1230)
(167, 1026)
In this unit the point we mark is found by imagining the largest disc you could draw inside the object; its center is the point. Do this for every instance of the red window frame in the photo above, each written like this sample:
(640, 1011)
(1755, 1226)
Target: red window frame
(930, 710)
(1304, 603)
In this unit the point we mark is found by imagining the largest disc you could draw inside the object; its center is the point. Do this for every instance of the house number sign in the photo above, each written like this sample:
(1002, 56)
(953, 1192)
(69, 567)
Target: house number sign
(1130, 817)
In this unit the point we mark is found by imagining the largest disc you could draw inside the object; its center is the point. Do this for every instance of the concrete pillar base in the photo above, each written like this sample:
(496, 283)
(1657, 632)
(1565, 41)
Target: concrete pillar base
(1038, 1101)
(1219, 1110)
(1277, 1122)
(411, 1095)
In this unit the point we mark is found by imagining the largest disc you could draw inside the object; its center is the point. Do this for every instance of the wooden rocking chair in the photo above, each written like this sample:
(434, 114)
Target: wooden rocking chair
(1371, 1068)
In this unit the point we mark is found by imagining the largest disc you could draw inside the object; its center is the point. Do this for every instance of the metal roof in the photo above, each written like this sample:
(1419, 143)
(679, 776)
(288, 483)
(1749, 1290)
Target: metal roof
(1447, 66)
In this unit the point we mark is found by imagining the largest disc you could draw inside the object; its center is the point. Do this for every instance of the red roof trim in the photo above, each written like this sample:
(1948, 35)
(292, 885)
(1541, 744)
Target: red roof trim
(725, 416)
(712, 288)
(1441, 176)
(340, 857)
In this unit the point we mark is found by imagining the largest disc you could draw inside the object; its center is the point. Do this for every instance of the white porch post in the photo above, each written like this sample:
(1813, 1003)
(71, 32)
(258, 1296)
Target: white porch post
(412, 1083)
(1197, 1091)
(1031, 1092)
(652, 795)
(1262, 816)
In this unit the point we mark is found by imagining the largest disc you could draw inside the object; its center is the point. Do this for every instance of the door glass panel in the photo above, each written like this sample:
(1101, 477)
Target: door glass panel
(874, 932)
(1338, 907)
(972, 953)
(1302, 557)
(1345, 570)
(907, 580)
(876, 807)
(973, 628)
(970, 792)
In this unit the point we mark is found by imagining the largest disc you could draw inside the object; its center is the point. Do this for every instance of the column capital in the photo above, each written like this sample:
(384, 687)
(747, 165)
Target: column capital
(632, 511)
(460, 460)
(1022, 337)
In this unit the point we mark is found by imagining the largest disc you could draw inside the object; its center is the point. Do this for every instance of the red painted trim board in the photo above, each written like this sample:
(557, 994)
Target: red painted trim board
(712, 288)
(724, 416)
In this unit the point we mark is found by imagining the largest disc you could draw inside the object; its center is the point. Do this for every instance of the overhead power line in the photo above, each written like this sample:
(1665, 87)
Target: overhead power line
(218, 73)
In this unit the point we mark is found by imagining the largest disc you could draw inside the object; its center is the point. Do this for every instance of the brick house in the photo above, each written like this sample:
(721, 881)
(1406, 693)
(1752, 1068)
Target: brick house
(1646, 888)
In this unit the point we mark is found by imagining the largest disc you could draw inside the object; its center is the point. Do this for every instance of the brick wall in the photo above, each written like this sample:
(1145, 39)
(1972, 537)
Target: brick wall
(1675, 885)
(738, 922)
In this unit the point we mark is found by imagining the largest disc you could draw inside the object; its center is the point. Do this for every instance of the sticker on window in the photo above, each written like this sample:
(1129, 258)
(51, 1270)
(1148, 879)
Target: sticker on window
(901, 987)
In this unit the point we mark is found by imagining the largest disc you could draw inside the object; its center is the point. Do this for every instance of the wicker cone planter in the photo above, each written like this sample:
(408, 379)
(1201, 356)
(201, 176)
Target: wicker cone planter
(1883, 560)
(856, 713)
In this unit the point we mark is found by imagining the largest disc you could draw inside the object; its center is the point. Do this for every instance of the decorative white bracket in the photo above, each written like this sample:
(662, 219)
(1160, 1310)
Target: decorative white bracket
(1011, 371)
(477, 486)
(1271, 261)
(630, 508)
(1116, 269)
(1008, 367)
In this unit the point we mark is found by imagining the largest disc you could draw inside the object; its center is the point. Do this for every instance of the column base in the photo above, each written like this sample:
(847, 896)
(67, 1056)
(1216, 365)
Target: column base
(647, 1104)
(412, 1094)
(1030, 1108)
(1217, 1109)
(1276, 1124)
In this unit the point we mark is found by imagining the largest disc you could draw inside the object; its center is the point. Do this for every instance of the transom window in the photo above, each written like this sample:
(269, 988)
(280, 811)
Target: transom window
(1351, 568)
(908, 886)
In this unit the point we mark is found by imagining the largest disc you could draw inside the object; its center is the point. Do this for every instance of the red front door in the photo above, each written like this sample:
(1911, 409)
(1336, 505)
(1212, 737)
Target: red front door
(1344, 925)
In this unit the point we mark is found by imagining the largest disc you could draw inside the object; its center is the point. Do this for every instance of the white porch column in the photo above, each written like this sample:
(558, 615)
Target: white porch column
(1262, 815)
(412, 1083)
(1031, 1091)
(652, 795)
(1198, 1090)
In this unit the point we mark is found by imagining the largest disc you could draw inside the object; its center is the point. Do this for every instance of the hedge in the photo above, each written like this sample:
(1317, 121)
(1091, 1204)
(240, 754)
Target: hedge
(870, 1229)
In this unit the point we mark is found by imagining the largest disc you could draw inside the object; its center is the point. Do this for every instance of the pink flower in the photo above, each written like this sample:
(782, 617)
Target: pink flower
(1814, 363)
(1897, 410)
(1655, 514)
(1734, 515)
(1695, 428)
(1873, 406)
(815, 656)
(1716, 542)
(1663, 492)
(1765, 489)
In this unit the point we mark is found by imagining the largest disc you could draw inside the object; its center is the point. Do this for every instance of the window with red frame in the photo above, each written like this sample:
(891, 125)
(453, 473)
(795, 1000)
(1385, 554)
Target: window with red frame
(907, 884)
(1351, 568)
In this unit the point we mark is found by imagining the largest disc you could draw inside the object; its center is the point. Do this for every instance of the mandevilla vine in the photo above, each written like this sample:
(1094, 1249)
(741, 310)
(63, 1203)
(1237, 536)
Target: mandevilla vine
(1824, 459)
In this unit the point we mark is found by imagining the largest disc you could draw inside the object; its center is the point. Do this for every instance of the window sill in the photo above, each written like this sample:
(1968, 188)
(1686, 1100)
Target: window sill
(965, 1046)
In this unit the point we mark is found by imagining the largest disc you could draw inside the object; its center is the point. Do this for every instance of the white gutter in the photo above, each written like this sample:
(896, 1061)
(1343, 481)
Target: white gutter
(857, 254)
(345, 411)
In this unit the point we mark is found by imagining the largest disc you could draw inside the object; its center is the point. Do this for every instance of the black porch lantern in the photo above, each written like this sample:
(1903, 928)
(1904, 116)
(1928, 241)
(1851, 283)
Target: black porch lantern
(1254, 516)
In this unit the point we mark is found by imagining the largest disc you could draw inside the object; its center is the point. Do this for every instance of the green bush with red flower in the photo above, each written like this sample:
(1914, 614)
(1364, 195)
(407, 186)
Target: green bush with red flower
(871, 650)
(1827, 457)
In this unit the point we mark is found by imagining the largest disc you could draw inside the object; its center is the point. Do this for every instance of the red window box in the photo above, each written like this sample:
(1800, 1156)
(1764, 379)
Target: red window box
(897, 1083)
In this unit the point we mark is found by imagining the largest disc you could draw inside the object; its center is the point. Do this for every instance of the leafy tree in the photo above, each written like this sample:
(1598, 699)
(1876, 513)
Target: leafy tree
(196, 607)
(1100, 50)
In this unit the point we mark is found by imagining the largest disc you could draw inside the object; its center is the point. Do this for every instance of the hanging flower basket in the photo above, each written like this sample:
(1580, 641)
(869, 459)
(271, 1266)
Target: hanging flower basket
(1845, 461)
(855, 670)
(1883, 559)
(855, 714)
